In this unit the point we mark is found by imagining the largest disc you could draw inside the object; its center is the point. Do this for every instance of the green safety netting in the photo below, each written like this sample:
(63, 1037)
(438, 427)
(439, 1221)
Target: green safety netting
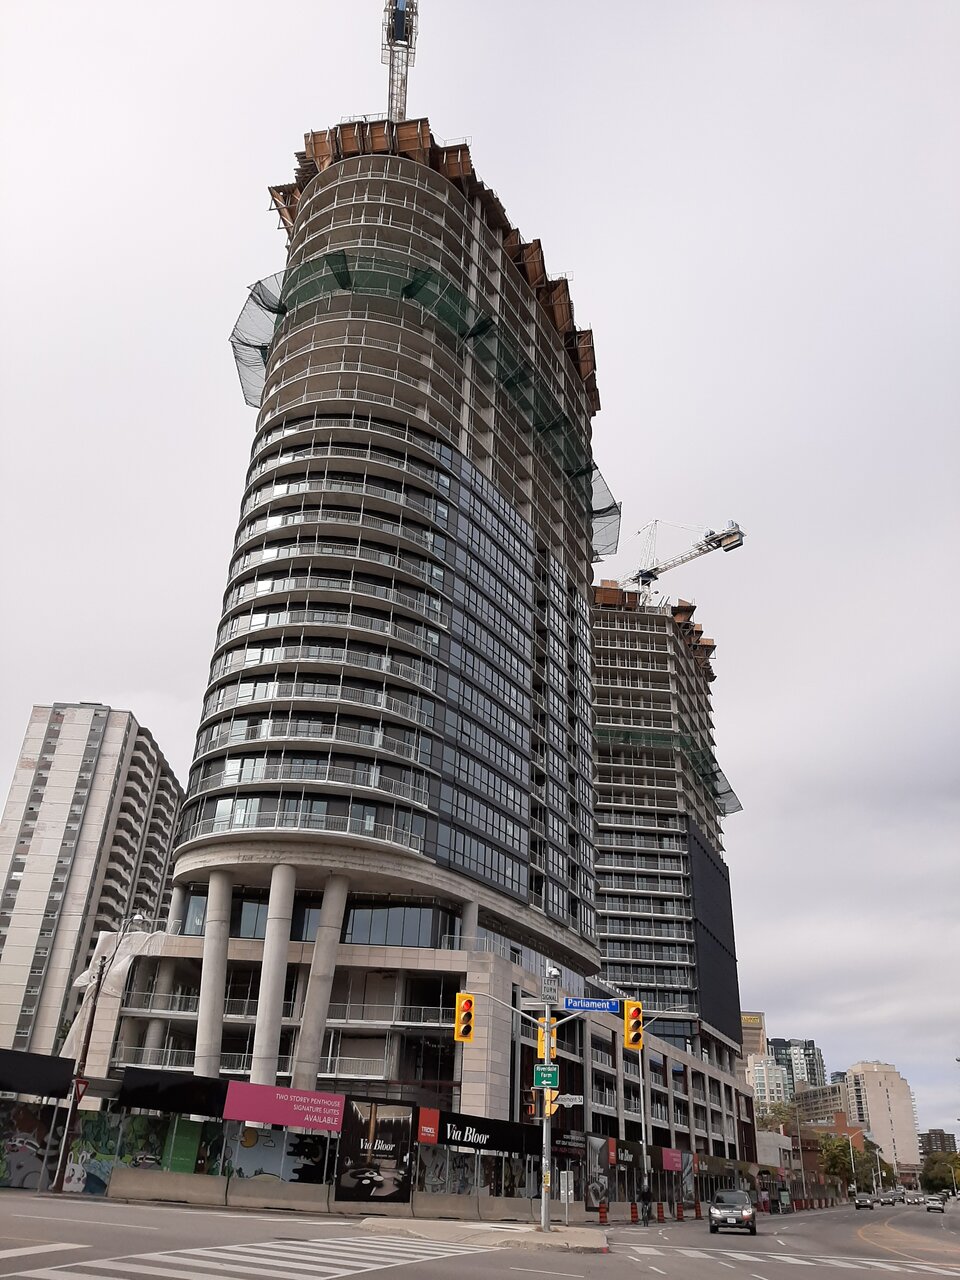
(701, 758)
(472, 328)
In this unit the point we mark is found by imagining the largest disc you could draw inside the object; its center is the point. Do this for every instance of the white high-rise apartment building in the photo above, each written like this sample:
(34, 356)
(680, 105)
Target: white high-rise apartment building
(84, 844)
(881, 1100)
(768, 1079)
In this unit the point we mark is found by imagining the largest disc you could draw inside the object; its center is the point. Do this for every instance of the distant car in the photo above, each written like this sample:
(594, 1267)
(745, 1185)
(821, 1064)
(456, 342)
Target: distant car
(863, 1200)
(732, 1210)
(887, 1197)
(935, 1204)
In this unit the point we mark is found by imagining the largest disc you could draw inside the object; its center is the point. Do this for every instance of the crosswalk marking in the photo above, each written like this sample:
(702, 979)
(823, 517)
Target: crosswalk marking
(764, 1258)
(317, 1259)
(37, 1248)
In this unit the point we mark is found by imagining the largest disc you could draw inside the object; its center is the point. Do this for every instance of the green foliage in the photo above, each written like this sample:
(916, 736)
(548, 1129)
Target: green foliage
(935, 1174)
(835, 1158)
(778, 1115)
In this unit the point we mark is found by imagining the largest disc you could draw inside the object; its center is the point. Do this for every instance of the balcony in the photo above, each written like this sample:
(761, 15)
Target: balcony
(392, 1015)
(604, 1098)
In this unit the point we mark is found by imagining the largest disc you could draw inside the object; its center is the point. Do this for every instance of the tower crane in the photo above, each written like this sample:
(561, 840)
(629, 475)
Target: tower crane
(727, 539)
(399, 51)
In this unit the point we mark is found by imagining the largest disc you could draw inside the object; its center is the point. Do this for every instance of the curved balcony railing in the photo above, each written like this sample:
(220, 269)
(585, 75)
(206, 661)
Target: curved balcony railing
(349, 550)
(333, 774)
(408, 435)
(227, 699)
(306, 731)
(362, 488)
(300, 820)
(427, 606)
(346, 618)
(347, 452)
(418, 673)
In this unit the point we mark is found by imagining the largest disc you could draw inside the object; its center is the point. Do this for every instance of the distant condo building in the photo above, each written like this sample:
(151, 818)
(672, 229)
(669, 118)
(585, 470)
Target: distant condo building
(881, 1100)
(664, 906)
(768, 1079)
(802, 1061)
(85, 845)
(934, 1141)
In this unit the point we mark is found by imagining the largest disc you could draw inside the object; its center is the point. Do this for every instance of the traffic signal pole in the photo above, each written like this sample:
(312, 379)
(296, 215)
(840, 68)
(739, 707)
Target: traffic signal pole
(546, 1149)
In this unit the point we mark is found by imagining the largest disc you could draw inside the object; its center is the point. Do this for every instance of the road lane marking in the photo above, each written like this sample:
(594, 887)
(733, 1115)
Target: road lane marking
(725, 1264)
(794, 1261)
(756, 1277)
(658, 1271)
(535, 1271)
(38, 1248)
(97, 1222)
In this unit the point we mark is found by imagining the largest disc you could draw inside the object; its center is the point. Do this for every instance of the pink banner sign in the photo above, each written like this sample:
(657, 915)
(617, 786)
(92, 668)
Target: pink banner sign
(672, 1160)
(296, 1108)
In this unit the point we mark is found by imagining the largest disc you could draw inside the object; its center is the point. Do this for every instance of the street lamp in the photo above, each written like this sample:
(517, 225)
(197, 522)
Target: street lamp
(81, 1064)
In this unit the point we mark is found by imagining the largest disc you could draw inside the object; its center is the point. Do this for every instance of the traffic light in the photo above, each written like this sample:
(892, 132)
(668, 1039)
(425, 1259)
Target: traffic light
(553, 1038)
(633, 1024)
(463, 1025)
(550, 1101)
(530, 1103)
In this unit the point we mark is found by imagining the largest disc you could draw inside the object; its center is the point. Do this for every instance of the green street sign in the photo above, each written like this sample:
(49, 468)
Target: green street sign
(546, 1075)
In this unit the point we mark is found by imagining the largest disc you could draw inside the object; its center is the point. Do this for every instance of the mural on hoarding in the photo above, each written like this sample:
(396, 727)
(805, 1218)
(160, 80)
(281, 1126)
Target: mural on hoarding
(373, 1161)
(24, 1133)
(275, 1153)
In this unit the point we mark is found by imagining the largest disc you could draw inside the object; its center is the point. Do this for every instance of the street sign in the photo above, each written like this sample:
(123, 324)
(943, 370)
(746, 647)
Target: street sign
(591, 1006)
(546, 1075)
(550, 990)
(82, 1086)
(569, 1100)
(566, 1186)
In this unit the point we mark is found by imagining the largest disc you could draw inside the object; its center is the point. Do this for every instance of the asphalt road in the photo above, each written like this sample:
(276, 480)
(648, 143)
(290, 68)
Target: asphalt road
(76, 1238)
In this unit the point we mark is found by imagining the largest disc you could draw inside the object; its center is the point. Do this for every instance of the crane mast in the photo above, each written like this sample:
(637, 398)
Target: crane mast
(399, 51)
(727, 539)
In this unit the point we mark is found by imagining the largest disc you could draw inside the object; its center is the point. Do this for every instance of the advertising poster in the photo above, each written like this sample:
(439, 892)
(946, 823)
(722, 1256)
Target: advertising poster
(373, 1162)
(598, 1171)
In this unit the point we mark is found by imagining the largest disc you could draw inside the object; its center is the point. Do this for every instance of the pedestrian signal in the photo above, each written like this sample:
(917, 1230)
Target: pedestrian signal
(540, 1038)
(633, 1024)
(463, 1025)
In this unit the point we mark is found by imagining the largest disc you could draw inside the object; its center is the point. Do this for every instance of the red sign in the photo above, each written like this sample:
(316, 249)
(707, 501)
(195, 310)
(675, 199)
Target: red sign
(298, 1108)
(612, 1150)
(81, 1086)
(429, 1129)
(672, 1160)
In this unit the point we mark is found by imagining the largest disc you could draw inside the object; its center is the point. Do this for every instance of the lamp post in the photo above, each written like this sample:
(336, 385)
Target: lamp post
(80, 1068)
(853, 1165)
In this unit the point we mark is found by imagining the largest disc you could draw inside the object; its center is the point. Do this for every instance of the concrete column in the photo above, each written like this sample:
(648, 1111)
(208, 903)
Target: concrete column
(273, 974)
(162, 988)
(213, 975)
(313, 1024)
(469, 914)
(178, 907)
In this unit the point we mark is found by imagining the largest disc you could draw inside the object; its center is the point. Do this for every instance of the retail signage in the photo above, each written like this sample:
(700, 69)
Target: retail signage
(295, 1108)
(591, 1006)
(672, 1160)
(428, 1126)
(452, 1129)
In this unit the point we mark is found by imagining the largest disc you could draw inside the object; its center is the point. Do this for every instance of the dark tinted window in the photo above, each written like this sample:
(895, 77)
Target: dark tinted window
(731, 1197)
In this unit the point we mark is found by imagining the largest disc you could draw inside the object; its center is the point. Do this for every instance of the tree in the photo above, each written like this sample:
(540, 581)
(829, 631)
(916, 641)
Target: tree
(936, 1172)
(835, 1160)
(777, 1116)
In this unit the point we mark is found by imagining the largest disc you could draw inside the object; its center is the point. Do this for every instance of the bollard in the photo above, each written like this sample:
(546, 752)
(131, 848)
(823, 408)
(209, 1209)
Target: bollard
(679, 1210)
(602, 1210)
(634, 1215)
(697, 1212)
(660, 1217)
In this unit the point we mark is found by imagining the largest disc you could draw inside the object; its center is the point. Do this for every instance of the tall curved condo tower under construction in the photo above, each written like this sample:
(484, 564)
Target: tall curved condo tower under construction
(391, 792)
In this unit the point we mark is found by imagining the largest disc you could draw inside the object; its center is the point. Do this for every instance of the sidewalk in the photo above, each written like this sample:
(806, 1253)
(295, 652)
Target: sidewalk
(494, 1235)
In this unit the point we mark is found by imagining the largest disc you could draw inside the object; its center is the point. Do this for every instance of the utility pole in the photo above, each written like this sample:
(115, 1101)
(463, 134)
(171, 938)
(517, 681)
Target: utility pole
(78, 1075)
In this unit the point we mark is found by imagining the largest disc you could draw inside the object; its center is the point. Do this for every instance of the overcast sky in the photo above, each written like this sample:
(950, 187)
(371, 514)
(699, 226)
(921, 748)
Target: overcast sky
(758, 204)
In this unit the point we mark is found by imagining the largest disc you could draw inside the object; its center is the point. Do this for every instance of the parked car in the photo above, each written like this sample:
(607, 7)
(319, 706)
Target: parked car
(863, 1200)
(732, 1210)
(935, 1204)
